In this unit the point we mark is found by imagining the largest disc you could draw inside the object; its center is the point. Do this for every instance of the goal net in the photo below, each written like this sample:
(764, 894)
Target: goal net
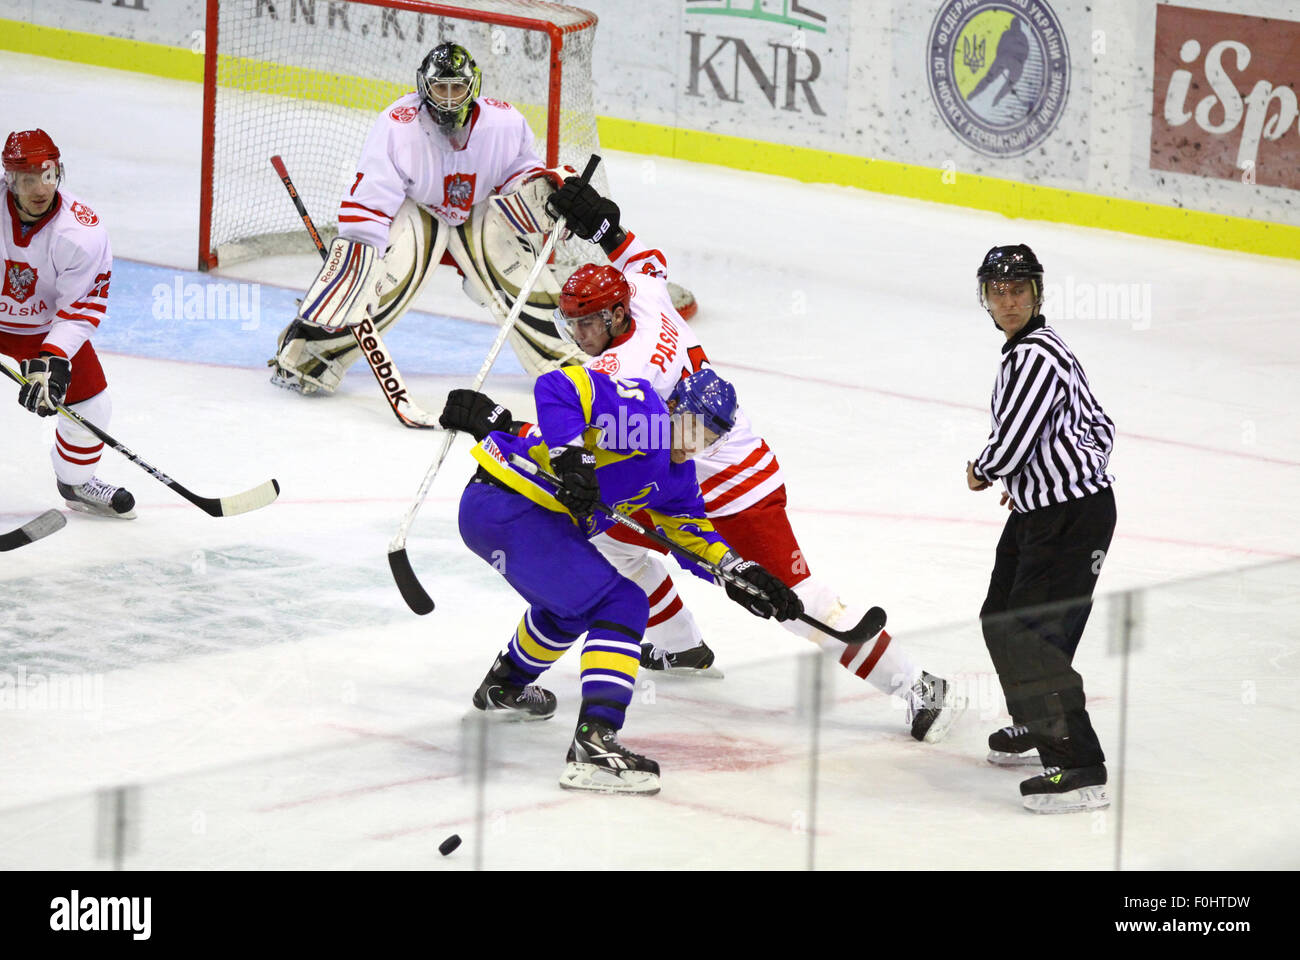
(305, 79)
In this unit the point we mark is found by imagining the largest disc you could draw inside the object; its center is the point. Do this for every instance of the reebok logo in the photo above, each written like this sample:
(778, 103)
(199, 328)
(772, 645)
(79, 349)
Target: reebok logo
(383, 367)
(76, 913)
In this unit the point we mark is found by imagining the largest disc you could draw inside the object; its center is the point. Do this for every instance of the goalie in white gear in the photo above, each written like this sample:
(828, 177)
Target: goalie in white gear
(429, 165)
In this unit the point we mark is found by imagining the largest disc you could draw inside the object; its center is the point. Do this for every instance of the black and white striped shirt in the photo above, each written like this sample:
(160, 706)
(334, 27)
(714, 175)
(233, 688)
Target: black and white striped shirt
(1051, 440)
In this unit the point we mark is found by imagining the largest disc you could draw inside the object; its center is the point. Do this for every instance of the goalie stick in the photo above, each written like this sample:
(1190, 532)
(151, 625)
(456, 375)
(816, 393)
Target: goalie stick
(872, 622)
(47, 523)
(253, 499)
(396, 395)
(416, 597)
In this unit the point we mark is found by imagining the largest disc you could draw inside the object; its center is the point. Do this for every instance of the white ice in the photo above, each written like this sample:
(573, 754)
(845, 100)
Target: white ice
(260, 685)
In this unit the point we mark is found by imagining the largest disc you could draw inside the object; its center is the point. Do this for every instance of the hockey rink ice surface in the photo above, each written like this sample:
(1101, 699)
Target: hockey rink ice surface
(267, 700)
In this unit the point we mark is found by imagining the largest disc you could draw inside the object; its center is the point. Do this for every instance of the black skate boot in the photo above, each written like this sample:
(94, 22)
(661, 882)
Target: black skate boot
(598, 762)
(1069, 790)
(99, 498)
(695, 662)
(1013, 747)
(511, 702)
(932, 708)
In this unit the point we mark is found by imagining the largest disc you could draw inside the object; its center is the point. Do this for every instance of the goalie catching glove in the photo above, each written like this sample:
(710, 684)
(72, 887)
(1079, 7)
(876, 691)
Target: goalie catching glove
(590, 216)
(576, 469)
(781, 602)
(474, 413)
(47, 378)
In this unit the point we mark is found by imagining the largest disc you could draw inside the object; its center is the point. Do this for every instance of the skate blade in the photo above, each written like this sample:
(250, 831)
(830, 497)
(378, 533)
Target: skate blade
(686, 673)
(501, 715)
(106, 512)
(589, 777)
(1072, 801)
(1029, 758)
(952, 709)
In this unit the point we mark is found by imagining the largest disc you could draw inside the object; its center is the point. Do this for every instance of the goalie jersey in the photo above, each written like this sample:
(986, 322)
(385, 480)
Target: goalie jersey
(626, 425)
(737, 471)
(406, 155)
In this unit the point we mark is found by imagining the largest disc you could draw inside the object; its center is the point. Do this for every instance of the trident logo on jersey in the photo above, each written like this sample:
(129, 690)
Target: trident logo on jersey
(20, 280)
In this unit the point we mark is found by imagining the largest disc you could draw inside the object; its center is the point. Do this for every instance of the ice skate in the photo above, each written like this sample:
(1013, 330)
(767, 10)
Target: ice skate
(695, 662)
(99, 499)
(932, 708)
(1013, 747)
(598, 762)
(1071, 790)
(509, 702)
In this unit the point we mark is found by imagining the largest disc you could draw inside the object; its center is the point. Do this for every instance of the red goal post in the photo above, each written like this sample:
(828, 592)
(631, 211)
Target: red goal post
(306, 78)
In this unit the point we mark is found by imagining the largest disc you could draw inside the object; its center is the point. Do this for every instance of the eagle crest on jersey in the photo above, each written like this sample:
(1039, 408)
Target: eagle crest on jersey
(459, 190)
(20, 280)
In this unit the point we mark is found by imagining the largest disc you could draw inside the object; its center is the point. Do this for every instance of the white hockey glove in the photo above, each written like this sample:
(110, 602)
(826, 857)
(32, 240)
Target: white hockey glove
(346, 290)
(525, 209)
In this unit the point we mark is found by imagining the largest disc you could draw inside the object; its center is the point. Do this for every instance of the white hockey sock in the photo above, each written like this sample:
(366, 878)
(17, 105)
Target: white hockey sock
(76, 450)
(882, 661)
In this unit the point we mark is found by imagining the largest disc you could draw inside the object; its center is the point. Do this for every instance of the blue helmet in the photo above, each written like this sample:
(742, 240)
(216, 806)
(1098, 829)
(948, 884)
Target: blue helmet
(709, 397)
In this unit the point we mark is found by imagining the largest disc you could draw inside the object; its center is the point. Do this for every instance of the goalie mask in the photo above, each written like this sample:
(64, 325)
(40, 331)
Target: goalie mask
(32, 167)
(1010, 264)
(587, 302)
(448, 81)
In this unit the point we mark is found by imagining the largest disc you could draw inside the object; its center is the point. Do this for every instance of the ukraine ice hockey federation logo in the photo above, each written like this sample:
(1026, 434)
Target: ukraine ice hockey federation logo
(20, 280)
(999, 73)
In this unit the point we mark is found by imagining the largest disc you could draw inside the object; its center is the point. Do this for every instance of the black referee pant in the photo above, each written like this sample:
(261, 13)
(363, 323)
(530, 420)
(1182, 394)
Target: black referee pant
(1038, 603)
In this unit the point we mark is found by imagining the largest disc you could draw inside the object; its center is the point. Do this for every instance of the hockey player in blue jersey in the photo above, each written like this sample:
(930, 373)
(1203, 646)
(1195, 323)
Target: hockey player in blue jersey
(605, 439)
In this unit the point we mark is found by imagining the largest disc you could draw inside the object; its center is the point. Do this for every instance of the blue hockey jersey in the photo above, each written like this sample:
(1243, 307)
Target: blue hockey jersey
(626, 425)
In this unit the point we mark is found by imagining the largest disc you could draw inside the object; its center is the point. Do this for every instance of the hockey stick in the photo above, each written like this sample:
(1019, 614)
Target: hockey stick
(416, 597)
(253, 499)
(47, 523)
(872, 622)
(390, 378)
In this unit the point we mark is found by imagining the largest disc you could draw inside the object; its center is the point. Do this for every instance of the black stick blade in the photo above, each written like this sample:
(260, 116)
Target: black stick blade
(872, 622)
(47, 523)
(404, 576)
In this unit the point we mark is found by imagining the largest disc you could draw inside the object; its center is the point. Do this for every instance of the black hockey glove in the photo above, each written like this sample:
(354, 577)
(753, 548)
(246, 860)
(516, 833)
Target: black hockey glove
(576, 470)
(475, 413)
(590, 215)
(47, 384)
(782, 602)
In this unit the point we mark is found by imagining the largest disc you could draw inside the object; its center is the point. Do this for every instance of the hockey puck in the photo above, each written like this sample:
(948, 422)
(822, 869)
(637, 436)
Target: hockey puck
(450, 844)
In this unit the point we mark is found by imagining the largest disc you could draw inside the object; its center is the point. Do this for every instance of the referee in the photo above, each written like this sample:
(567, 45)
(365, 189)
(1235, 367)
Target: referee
(1049, 446)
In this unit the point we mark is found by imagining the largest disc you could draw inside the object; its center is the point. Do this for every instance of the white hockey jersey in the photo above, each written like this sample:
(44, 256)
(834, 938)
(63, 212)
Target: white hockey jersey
(737, 471)
(56, 275)
(406, 155)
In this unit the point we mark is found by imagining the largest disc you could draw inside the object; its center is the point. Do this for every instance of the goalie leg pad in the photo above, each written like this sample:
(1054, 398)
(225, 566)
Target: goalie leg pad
(311, 359)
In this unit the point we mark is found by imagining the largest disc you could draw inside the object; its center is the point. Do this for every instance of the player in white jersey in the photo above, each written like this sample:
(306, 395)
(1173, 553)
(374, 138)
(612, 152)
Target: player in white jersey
(624, 318)
(430, 161)
(57, 267)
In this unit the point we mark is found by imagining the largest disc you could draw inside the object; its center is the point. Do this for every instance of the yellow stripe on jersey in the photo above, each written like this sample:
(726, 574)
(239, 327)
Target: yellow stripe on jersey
(534, 649)
(623, 663)
(582, 383)
(672, 528)
(515, 480)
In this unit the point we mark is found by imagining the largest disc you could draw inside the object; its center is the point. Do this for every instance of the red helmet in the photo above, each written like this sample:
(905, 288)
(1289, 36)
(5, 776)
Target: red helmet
(592, 289)
(28, 151)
